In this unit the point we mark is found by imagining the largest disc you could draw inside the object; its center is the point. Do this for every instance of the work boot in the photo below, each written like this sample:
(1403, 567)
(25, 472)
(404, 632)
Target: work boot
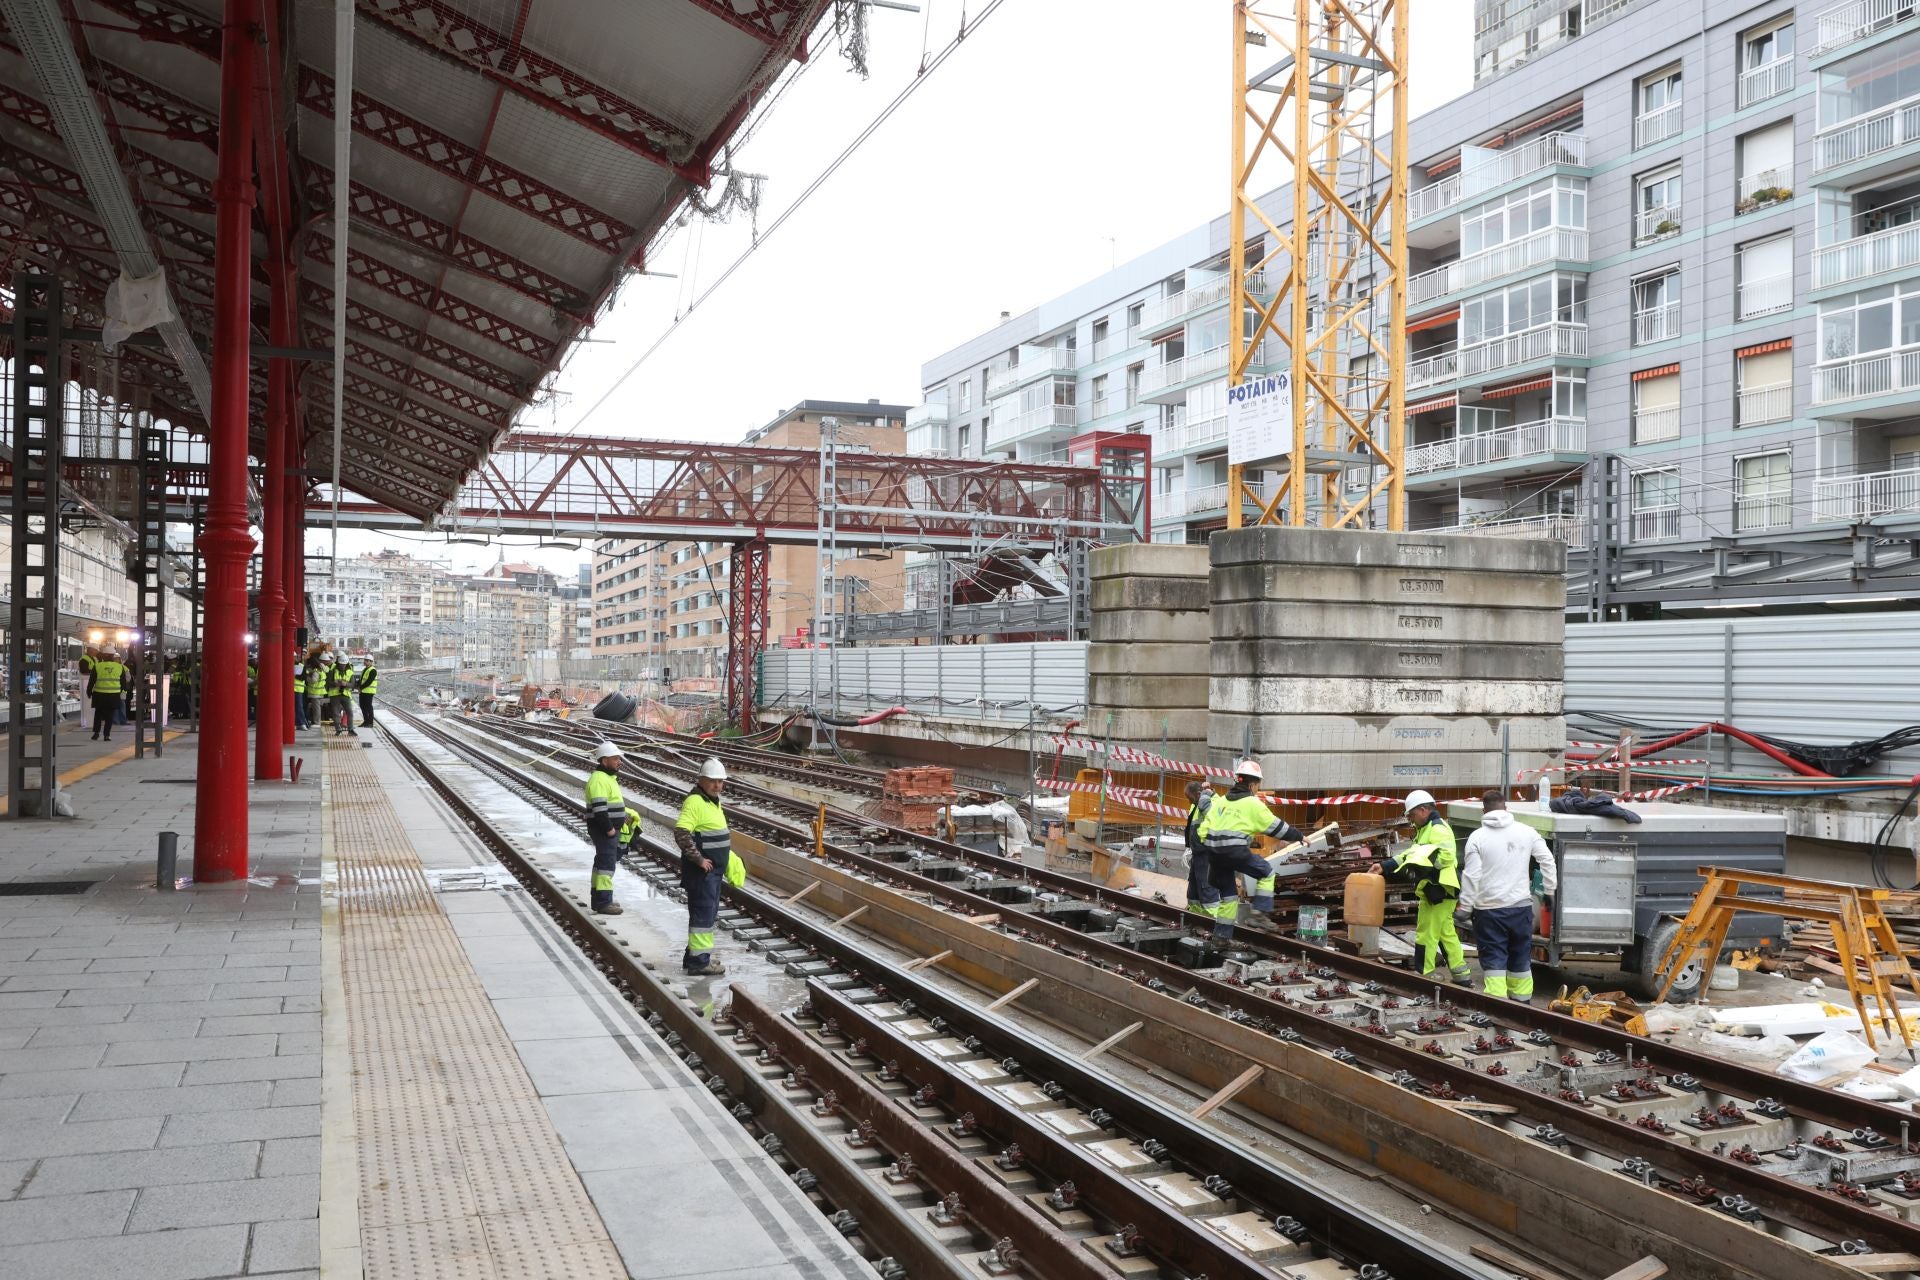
(96, 735)
(1463, 976)
(609, 909)
(710, 969)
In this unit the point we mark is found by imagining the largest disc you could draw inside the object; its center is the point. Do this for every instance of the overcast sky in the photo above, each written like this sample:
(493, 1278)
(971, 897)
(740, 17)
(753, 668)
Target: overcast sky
(1058, 139)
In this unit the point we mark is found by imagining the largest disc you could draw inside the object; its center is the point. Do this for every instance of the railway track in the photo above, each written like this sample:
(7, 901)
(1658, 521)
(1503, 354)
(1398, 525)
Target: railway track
(946, 1137)
(1816, 1169)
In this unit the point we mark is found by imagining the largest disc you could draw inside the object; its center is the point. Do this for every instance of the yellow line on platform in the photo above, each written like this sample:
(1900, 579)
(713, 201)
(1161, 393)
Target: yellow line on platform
(96, 765)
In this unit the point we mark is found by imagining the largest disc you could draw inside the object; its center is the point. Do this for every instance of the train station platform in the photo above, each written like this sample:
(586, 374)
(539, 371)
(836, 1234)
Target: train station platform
(374, 1057)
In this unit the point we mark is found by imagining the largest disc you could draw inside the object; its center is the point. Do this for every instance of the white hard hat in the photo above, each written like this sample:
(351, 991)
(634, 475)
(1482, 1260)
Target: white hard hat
(1248, 768)
(606, 749)
(1417, 798)
(109, 652)
(714, 769)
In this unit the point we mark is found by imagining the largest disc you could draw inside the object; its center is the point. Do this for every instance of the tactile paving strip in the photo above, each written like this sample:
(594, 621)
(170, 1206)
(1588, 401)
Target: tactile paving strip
(462, 1176)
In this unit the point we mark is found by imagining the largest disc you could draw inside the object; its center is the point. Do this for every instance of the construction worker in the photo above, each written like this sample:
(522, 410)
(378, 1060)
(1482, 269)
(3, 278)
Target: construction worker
(367, 685)
(316, 689)
(105, 688)
(610, 824)
(1432, 864)
(706, 858)
(299, 695)
(253, 686)
(1200, 798)
(1496, 886)
(1226, 834)
(339, 703)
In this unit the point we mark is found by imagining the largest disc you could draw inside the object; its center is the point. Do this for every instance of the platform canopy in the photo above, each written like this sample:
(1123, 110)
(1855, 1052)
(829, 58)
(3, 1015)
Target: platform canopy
(513, 161)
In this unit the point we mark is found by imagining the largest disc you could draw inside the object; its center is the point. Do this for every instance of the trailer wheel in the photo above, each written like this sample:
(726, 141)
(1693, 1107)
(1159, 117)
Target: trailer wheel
(1685, 987)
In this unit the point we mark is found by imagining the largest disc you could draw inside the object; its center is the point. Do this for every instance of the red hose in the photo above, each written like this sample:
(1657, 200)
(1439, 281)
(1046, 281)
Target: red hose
(1738, 735)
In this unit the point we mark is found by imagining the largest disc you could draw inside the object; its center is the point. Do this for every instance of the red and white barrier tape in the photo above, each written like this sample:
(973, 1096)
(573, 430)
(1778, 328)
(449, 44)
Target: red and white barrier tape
(1135, 755)
(1584, 766)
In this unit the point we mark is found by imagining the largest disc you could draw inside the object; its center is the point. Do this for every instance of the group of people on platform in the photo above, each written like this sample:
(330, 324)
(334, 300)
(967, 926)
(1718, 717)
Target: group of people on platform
(325, 687)
(1493, 887)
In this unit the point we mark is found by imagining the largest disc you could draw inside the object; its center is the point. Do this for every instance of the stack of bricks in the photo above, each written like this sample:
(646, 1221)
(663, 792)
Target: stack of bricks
(913, 799)
(1147, 664)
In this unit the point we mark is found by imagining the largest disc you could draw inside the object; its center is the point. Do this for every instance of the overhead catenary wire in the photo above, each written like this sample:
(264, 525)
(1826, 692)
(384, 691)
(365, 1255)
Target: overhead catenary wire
(873, 126)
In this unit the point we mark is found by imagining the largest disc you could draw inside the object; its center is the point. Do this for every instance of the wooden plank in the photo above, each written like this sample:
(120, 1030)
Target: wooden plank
(1111, 1041)
(1648, 1268)
(811, 886)
(992, 917)
(928, 961)
(1881, 1263)
(1489, 1108)
(851, 916)
(1014, 994)
(1525, 1268)
(1227, 1093)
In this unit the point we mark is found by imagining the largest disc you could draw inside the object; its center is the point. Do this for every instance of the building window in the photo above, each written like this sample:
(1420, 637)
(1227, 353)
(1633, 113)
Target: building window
(1134, 313)
(1656, 505)
(1869, 344)
(1656, 405)
(1765, 269)
(1763, 492)
(1522, 307)
(1766, 63)
(1656, 307)
(1551, 202)
(966, 394)
(964, 442)
(1656, 205)
(1764, 376)
(1766, 168)
(1657, 116)
(1099, 351)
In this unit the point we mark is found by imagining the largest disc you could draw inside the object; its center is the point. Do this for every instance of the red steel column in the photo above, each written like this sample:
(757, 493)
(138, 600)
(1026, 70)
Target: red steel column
(220, 800)
(271, 707)
(293, 548)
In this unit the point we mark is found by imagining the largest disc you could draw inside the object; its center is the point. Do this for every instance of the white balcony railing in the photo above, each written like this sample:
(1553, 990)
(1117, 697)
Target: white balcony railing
(1657, 125)
(1894, 249)
(1657, 223)
(1767, 187)
(1433, 199)
(1550, 244)
(1855, 20)
(932, 414)
(1182, 369)
(1569, 528)
(1190, 502)
(1656, 524)
(1034, 362)
(1506, 444)
(1442, 365)
(1048, 417)
(1768, 80)
(1651, 426)
(1194, 435)
(1164, 312)
(1764, 404)
(1100, 350)
(1766, 295)
(1656, 324)
(1874, 375)
(1884, 130)
(1867, 496)
(1545, 342)
(1766, 511)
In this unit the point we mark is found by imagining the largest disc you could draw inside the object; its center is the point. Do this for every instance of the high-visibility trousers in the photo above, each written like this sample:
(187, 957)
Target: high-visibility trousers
(703, 912)
(1434, 937)
(606, 856)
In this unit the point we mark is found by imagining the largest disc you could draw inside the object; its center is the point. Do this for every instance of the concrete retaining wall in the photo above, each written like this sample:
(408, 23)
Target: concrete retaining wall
(1147, 667)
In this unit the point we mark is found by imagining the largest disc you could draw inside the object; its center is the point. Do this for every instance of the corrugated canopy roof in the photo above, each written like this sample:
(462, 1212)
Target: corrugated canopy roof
(512, 162)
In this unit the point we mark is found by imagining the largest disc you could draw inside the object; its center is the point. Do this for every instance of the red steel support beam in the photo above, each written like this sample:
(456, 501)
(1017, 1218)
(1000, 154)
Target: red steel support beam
(220, 808)
(293, 550)
(746, 627)
(272, 703)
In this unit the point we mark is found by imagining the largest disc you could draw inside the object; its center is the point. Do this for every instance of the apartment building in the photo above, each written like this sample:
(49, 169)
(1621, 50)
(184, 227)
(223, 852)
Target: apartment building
(390, 602)
(665, 604)
(1664, 292)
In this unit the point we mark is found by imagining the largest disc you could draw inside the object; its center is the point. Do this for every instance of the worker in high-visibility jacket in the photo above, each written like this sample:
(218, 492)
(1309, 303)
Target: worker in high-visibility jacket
(1432, 864)
(367, 684)
(108, 684)
(1226, 833)
(706, 859)
(610, 823)
(1200, 798)
(339, 697)
(299, 695)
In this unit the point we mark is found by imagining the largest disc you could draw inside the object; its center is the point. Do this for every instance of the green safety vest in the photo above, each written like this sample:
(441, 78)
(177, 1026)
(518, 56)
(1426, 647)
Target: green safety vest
(708, 823)
(299, 681)
(1434, 853)
(604, 797)
(369, 680)
(1232, 823)
(107, 675)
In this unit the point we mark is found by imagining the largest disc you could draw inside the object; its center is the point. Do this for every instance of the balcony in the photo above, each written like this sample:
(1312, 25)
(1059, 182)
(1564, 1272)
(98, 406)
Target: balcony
(1875, 375)
(1867, 496)
(1658, 125)
(1765, 296)
(1655, 426)
(1763, 511)
(1168, 313)
(1107, 406)
(1181, 435)
(1894, 249)
(1656, 224)
(1482, 169)
(1656, 324)
(1757, 191)
(1769, 80)
(1161, 382)
(1855, 20)
(1544, 342)
(1557, 526)
(1035, 362)
(1551, 244)
(1206, 500)
(1524, 441)
(1435, 198)
(1883, 131)
(1436, 366)
(1048, 417)
(1757, 405)
(1655, 524)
